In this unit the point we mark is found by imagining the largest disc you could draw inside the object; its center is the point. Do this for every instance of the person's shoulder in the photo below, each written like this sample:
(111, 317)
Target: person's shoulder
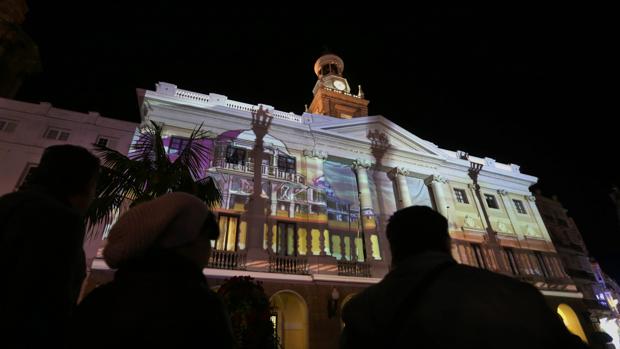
(484, 278)
(371, 294)
(36, 202)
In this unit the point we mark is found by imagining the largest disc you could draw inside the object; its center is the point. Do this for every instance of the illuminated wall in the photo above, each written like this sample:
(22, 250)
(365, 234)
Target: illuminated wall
(418, 191)
(343, 209)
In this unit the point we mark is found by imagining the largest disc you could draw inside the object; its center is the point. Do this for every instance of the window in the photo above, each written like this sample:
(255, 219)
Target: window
(287, 239)
(491, 201)
(28, 171)
(177, 145)
(229, 233)
(479, 256)
(286, 163)
(7, 126)
(57, 134)
(543, 265)
(235, 155)
(461, 196)
(520, 207)
(512, 261)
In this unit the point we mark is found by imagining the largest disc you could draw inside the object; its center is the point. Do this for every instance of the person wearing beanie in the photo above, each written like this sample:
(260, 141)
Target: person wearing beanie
(41, 236)
(159, 296)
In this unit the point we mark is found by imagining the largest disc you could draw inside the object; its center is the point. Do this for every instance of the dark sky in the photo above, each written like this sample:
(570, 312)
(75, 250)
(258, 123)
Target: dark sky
(527, 85)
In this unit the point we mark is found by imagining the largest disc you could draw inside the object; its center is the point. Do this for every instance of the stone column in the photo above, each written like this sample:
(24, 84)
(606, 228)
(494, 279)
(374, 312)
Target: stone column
(361, 170)
(537, 217)
(398, 175)
(436, 183)
(315, 157)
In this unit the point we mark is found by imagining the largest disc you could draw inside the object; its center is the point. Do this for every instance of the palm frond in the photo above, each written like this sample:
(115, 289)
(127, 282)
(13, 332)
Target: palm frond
(147, 173)
(195, 155)
(207, 191)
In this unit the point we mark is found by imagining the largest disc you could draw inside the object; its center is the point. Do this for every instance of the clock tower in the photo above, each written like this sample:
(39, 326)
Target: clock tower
(332, 93)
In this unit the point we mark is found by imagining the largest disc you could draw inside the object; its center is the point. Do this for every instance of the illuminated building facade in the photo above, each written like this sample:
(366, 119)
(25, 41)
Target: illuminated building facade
(306, 199)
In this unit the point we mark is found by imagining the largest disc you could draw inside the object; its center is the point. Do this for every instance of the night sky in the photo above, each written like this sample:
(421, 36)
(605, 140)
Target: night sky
(525, 85)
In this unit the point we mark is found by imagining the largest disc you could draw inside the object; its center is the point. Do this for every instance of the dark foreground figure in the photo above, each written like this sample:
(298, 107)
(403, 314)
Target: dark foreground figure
(41, 253)
(430, 301)
(159, 297)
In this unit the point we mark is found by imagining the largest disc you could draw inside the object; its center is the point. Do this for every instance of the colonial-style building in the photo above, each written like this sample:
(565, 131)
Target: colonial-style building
(306, 199)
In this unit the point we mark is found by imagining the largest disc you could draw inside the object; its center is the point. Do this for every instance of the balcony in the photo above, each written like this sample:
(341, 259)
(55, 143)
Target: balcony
(268, 171)
(359, 269)
(288, 264)
(227, 260)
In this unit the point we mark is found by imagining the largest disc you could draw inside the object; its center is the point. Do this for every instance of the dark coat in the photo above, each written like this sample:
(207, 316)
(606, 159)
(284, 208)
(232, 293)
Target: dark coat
(43, 267)
(158, 302)
(463, 307)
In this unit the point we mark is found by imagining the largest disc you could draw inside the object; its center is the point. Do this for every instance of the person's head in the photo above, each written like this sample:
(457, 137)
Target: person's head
(177, 223)
(69, 172)
(416, 229)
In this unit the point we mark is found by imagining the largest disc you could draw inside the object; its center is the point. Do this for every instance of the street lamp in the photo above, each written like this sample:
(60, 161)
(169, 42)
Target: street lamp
(332, 303)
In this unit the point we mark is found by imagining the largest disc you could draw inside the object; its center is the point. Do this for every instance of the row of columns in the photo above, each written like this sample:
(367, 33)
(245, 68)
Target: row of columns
(398, 176)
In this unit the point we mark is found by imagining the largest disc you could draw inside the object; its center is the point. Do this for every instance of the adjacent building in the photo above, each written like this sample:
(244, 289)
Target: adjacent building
(598, 298)
(26, 129)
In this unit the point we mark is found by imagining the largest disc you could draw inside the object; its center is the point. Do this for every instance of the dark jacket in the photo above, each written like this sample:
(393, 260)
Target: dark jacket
(463, 307)
(158, 302)
(43, 267)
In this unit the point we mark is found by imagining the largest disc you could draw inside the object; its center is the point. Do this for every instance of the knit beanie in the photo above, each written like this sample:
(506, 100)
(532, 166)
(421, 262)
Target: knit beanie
(168, 221)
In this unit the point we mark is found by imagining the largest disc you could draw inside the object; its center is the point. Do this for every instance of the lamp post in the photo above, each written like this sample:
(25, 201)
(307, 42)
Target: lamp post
(332, 303)
(261, 121)
(492, 242)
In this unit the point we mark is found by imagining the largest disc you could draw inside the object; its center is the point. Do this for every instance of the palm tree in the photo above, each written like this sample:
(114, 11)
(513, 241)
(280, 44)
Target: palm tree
(149, 171)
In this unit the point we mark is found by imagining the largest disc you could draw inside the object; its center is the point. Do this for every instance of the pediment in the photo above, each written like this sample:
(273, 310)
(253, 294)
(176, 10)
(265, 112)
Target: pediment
(365, 128)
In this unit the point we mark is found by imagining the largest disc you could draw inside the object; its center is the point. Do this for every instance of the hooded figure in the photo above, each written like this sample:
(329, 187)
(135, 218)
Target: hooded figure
(159, 296)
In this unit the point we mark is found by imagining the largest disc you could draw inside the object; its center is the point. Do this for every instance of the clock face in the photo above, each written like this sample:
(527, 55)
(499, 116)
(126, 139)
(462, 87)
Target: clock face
(339, 85)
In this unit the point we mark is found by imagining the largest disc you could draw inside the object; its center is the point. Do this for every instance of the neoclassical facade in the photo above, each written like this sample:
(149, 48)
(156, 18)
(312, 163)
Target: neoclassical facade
(306, 199)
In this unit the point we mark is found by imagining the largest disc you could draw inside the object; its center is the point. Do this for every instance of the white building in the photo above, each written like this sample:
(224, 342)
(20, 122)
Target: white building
(26, 129)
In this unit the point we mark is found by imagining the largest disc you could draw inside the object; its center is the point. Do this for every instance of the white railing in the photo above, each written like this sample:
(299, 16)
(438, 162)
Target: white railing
(194, 96)
(199, 97)
(267, 171)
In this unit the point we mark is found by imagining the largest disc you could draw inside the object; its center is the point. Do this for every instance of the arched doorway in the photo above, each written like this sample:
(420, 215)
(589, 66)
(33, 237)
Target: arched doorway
(571, 321)
(344, 302)
(291, 319)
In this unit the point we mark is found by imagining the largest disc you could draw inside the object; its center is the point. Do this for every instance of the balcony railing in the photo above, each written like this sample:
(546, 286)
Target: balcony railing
(359, 269)
(527, 265)
(266, 170)
(227, 260)
(288, 264)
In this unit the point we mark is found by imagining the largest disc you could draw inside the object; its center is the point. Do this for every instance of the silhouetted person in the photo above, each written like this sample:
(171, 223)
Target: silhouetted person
(429, 301)
(159, 297)
(41, 253)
